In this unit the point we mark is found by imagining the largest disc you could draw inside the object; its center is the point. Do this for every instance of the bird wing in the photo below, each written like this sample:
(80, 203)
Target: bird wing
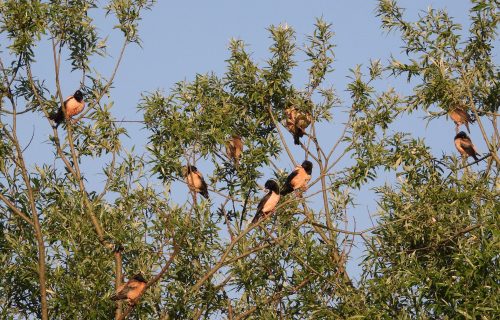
(271, 202)
(468, 117)
(465, 143)
(475, 149)
(287, 187)
(238, 147)
(468, 146)
(292, 175)
(121, 292)
(230, 148)
(460, 116)
(203, 185)
(266, 205)
(263, 202)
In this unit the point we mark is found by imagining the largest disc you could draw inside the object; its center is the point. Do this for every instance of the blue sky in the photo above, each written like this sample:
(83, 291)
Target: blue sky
(183, 38)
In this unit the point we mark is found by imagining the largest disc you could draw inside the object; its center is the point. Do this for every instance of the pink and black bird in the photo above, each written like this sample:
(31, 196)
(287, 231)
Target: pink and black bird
(465, 146)
(460, 116)
(268, 203)
(195, 181)
(298, 179)
(296, 122)
(73, 104)
(234, 148)
(131, 290)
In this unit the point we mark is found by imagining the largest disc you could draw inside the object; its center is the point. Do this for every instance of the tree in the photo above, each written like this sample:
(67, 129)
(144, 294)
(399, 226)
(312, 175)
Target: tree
(67, 247)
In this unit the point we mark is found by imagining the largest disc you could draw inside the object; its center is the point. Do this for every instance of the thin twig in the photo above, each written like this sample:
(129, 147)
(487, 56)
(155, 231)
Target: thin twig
(275, 297)
(444, 241)
(468, 165)
(276, 125)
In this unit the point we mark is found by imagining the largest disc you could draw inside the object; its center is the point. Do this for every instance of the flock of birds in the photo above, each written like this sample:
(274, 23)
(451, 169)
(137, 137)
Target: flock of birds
(463, 143)
(296, 123)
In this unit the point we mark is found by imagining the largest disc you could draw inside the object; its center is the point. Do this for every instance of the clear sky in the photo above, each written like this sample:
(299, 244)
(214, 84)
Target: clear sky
(183, 38)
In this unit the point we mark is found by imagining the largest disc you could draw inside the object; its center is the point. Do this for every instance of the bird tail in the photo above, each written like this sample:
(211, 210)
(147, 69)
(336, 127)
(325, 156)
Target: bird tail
(57, 117)
(204, 193)
(467, 126)
(296, 139)
(118, 296)
(286, 190)
(257, 217)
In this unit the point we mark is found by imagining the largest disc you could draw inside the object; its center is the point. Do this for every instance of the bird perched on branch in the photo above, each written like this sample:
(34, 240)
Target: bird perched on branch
(130, 290)
(296, 122)
(194, 180)
(268, 203)
(465, 146)
(460, 116)
(234, 147)
(73, 104)
(298, 179)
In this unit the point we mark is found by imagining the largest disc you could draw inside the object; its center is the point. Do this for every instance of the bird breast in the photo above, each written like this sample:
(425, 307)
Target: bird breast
(458, 145)
(194, 181)
(301, 179)
(271, 203)
(136, 290)
(73, 107)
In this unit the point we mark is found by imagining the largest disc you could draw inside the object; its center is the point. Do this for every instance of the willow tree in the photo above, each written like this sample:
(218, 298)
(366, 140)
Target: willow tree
(67, 246)
(61, 241)
(435, 254)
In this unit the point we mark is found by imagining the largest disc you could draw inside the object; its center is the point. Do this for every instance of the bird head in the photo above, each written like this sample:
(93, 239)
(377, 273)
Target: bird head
(461, 135)
(139, 277)
(272, 186)
(78, 96)
(188, 169)
(308, 166)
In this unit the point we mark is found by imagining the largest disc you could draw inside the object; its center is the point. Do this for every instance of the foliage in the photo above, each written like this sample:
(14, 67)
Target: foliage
(66, 246)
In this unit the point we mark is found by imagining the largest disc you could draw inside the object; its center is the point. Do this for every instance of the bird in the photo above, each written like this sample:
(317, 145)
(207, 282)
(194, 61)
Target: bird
(194, 180)
(297, 122)
(460, 116)
(269, 202)
(299, 178)
(465, 146)
(234, 147)
(73, 104)
(130, 290)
